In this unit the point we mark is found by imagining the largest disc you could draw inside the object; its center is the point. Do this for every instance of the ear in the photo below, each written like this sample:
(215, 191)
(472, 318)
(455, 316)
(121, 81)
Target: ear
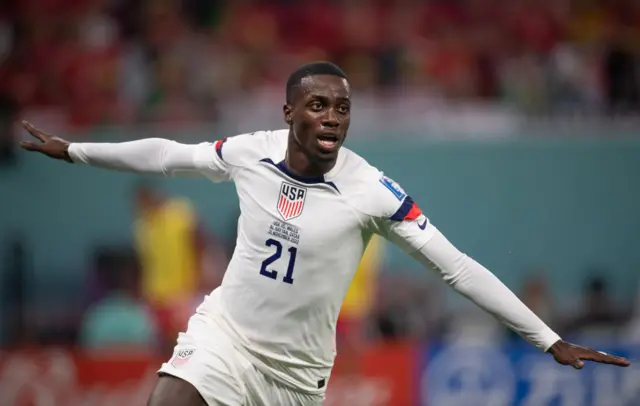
(288, 112)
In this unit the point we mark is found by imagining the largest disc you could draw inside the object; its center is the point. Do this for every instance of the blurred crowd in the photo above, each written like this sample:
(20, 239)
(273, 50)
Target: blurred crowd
(90, 63)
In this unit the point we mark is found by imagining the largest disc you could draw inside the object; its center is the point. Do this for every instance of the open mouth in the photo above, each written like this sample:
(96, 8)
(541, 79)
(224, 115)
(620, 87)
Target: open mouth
(328, 141)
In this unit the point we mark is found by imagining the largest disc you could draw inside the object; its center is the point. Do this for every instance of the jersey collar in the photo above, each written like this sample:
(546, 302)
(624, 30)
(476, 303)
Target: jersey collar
(311, 180)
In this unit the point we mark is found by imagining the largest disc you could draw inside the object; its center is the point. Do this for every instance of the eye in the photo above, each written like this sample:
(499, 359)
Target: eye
(315, 105)
(344, 108)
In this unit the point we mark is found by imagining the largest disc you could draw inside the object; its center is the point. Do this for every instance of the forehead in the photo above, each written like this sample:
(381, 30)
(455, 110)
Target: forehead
(325, 85)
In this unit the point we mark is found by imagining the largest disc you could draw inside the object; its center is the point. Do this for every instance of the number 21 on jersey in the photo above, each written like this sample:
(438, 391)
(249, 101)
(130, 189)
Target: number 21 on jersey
(288, 278)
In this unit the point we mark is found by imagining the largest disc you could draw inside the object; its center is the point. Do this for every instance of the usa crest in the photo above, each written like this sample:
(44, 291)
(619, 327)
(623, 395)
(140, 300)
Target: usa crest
(182, 357)
(291, 200)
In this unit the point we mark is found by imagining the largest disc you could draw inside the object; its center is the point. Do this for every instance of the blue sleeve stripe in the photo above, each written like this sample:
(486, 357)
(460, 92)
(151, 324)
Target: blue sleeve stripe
(219, 148)
(404, 209)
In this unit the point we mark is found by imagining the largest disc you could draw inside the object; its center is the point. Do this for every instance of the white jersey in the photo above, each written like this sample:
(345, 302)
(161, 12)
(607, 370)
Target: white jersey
(300, 240)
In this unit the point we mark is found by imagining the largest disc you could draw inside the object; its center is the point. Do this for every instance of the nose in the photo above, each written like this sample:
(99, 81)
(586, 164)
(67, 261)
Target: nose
(330, 119)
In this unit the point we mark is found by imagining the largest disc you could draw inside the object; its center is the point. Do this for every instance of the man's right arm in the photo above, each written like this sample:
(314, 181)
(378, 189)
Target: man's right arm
(151, 155)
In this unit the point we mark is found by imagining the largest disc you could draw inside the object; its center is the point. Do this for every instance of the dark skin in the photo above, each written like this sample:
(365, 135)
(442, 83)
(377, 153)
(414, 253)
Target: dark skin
(172, 391)
(320, 109)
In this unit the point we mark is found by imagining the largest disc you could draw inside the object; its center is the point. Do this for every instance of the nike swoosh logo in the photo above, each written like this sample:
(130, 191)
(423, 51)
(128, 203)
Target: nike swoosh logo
(423, 225)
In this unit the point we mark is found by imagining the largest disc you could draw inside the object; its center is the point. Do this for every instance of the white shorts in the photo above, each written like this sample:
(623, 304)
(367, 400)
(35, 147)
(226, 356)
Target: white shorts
(206, 358)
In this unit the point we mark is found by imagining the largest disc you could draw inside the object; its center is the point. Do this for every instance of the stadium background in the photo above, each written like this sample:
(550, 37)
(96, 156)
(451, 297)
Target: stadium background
(513, 124)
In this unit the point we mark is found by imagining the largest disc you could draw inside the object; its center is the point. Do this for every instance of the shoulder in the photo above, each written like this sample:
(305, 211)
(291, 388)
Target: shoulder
(369, 190)
(244, 149)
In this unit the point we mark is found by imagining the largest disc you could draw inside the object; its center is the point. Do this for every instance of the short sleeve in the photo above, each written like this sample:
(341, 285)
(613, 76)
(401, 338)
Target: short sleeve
(397, 217)
(219, 160)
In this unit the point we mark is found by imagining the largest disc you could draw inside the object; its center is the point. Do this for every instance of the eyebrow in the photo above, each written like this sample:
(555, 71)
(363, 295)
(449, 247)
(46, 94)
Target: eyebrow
(325, 97)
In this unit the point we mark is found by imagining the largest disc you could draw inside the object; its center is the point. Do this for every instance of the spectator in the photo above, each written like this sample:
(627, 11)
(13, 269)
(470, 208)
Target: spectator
(621, 75)
(598, 318)
(8, 116)
(173, 247)
(537, 297)
(120, 320)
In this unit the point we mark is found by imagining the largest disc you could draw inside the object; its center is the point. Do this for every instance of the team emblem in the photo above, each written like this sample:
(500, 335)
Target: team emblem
(182, 356)
(291, 200)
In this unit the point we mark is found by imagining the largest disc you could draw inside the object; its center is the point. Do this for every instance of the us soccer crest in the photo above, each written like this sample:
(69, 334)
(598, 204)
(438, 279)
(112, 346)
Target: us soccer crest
(182, 356)
(291, 200)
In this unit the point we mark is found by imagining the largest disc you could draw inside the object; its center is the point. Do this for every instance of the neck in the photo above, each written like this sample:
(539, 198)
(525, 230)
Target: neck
(299, 162)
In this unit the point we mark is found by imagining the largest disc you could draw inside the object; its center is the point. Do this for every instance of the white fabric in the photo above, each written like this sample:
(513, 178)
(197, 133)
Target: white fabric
(287, 330)
(151, 155)
(483, 288)
(222, 374)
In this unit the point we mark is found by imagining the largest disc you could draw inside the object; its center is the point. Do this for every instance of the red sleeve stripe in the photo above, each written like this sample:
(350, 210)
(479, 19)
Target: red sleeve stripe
(408, 211)
(218, 146)
(414, 213)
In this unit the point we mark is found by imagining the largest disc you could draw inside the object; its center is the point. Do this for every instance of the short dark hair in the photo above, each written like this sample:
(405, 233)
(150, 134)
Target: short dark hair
(311, 69)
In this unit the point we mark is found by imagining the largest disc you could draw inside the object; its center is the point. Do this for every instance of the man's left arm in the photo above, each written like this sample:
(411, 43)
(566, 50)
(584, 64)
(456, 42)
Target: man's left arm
(405, 225)
(482, 287)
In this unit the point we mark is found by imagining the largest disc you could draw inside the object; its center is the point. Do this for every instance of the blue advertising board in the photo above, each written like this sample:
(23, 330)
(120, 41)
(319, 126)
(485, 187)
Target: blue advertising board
(519, 375)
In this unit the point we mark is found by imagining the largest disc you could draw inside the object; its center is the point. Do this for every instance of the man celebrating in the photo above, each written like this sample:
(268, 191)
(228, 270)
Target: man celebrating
(308, 207)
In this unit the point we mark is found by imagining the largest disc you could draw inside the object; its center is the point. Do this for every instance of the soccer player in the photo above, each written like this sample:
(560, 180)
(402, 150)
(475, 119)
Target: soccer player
(308, 207)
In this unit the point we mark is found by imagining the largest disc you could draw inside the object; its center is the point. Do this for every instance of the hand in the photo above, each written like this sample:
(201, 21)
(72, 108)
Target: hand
(51, 146)
(571, 354)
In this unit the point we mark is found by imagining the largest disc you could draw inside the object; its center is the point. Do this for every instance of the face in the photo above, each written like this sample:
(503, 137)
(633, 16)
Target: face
(319, 115)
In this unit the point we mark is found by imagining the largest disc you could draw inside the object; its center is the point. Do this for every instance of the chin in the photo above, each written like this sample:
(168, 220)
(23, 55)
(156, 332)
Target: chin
(328, 155)
(323, 156)
(333, 152)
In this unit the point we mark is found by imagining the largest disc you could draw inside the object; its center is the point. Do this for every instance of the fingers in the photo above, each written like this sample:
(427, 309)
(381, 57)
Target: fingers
(43, 137)
(574, 355)
(577, 364)
(30, 146)
(604, 358)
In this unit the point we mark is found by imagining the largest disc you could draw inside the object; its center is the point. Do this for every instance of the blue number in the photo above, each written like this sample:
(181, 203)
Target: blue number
(292, 262)
(273, 258)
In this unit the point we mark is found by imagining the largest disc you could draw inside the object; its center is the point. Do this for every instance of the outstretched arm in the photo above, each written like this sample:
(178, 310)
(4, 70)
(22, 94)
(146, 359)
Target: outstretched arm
(400, 220)
(483, 288)
(152, 155)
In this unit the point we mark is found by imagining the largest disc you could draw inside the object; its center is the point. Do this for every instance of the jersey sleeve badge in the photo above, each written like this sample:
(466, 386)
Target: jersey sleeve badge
(393, 187)
(408, 210)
